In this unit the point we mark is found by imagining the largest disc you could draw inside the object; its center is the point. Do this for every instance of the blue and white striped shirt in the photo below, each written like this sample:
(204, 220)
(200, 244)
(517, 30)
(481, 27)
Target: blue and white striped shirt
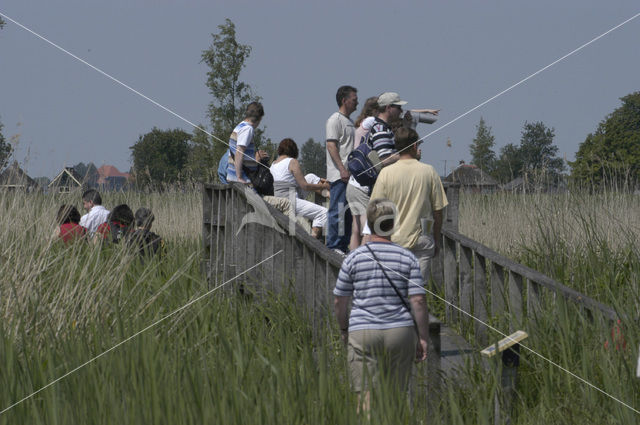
(375, 304)
(242, 136)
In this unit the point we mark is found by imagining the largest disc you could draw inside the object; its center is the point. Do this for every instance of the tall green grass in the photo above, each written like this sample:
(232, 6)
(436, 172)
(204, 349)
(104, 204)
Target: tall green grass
(232, 358)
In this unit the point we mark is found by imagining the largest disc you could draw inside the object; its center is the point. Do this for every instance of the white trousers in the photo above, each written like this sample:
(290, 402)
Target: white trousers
(314, 212)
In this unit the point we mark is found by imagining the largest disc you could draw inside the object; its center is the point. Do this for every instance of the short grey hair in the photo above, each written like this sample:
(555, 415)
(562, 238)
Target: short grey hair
(381, 216)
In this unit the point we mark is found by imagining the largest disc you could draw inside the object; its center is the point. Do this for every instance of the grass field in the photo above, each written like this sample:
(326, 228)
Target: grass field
(228, 359)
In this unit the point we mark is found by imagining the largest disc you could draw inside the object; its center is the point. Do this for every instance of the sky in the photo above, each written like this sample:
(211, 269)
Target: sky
(451, 56)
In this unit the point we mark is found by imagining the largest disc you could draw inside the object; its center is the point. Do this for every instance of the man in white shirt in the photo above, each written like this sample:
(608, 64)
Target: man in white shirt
(340, 138)
(96, 213)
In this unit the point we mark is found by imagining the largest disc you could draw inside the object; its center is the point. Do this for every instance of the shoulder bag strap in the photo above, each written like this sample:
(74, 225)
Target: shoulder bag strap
(406, 305)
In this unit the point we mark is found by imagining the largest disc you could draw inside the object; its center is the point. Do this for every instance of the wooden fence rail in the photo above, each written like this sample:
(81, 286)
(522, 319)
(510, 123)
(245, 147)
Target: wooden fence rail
(484, 283)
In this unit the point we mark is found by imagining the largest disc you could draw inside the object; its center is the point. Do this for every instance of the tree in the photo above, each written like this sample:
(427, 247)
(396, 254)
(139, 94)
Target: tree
(160, 156)
(537, 151)
(509, 165)
(481, 149)
(612, 153)
(226, 58)
(202, 166)
(5, 149)
(313, 158)
(535, 156)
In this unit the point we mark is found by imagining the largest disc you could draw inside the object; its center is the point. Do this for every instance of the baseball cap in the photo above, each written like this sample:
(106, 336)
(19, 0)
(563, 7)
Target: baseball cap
(390, 98)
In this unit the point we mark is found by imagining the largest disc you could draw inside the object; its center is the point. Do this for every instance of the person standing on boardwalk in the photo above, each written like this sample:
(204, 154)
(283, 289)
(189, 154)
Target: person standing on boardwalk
(416, 189)
(340, 135)
(383, 281)
(96, 213)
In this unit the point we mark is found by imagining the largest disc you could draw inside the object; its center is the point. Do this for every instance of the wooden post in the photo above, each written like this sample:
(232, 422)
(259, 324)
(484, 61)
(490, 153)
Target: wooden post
(451, 293)
(480, 298)
(452, 191)
(508, 368)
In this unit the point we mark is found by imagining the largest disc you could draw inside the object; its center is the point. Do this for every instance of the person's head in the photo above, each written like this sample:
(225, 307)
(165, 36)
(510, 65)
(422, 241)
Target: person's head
(381, 216)
(254, 113)
(144, 218)
(390, 106)
(347, 99)
(288, 147)
(369, 109)
(68, 214)
(91, 198)
(406, 139)
(122, 214)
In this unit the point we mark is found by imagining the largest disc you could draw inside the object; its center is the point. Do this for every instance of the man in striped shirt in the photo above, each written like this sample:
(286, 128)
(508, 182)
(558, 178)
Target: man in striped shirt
(383, 281)
(382, 138)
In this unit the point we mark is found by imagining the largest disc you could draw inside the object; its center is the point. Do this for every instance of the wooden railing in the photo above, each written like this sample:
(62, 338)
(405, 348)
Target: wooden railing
(240, 230)
(484, 283)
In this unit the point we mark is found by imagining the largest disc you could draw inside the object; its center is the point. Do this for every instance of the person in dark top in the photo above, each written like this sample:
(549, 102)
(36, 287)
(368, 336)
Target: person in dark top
(147, 242)
(118, 224)
(69, 228)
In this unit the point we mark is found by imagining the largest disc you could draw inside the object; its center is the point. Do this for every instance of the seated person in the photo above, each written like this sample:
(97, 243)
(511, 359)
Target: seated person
(287, 175)
(147, 242)
(68, 218)
(96, 213)
(118, 224)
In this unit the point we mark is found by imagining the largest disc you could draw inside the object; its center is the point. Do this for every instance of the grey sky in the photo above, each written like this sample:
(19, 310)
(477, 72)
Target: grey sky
(448, 55)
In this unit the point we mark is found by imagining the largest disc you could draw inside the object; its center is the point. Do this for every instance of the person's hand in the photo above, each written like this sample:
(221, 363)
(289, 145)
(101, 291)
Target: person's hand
(344, 175)
(421, 350)
(261, 154)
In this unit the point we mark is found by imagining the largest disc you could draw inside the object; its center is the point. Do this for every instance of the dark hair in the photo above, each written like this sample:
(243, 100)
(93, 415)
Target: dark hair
(255, 111)
(92, 195)
(122, 214)
(68, 214)
(343, 92)
(405, 137)
(144, 217)
(288, 147)
(368, 110)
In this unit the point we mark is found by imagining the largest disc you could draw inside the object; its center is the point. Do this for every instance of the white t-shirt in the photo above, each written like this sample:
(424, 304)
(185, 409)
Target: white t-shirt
(94, 218)
(340, 128)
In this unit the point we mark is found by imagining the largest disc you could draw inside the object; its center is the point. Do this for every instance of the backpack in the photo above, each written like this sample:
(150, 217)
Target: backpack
(260, 177)
(364, 163)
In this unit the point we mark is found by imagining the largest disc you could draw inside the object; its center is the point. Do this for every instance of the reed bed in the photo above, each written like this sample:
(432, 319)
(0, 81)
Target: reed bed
(231, 358)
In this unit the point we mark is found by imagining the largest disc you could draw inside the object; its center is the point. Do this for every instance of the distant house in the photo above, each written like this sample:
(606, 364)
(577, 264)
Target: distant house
(472, 179)
(67, 181)
(110, 178)
(14, 178)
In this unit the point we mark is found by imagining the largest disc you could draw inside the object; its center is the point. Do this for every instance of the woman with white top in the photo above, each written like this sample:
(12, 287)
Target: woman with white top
(287, 176)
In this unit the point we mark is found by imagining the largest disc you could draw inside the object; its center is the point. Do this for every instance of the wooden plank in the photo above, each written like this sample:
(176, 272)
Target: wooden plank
(533, 299)
(498, 298)
(480, 298)
(466, 285)
(515, 295)
(504, 343)
(451, 293)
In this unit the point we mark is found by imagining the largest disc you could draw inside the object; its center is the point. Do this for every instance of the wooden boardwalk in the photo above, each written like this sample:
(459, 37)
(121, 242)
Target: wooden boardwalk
(240, 230)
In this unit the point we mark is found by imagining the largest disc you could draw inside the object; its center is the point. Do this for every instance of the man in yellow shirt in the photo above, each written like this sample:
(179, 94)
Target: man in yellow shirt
(416, 190)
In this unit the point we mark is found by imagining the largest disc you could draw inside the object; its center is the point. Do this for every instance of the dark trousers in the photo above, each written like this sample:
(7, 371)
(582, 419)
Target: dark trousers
(339, 217)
